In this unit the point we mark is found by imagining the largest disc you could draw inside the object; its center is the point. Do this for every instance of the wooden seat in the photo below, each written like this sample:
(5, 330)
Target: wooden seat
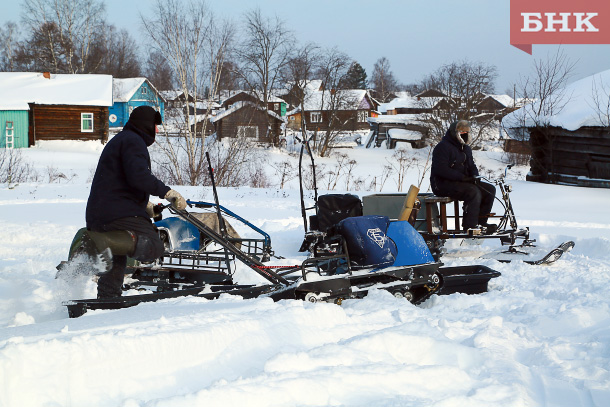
(442, 201)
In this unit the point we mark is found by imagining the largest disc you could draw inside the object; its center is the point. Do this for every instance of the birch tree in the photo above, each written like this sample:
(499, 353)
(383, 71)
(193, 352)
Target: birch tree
(66, 30)
(195, 46)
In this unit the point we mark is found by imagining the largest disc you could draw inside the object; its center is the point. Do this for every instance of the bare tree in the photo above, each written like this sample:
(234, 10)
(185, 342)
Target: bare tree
(66, 29)
(263, 53)
(332, 101)
(158, 71)
(8, 44)
(298, 73)
(14, 168)
(194, 45)
(544, 88)
(383, 79)
(600, 95)
(465, 85)
(115, 53)
(285, 171)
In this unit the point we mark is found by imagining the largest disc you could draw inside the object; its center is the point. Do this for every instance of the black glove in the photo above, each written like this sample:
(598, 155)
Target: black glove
(470, 180)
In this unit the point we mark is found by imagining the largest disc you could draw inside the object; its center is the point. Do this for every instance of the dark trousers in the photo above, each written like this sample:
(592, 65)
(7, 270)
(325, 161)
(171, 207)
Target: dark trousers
(478, 200)
(148, 248)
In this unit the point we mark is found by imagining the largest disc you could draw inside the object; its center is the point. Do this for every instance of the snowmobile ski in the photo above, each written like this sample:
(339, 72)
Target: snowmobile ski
(530, 254)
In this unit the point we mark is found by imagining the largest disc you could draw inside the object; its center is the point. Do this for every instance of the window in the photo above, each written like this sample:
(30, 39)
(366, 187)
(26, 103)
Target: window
(315, 117)
(10, 135)
(276, 106)
(247, 131)
(362, 115)
(144, 91)
(86, 122)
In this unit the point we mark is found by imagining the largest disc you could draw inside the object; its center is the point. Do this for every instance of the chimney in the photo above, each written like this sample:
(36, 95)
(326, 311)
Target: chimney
(47, 75)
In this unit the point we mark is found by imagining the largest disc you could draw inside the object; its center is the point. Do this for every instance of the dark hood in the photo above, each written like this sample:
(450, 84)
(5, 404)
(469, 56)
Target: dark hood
(148, 139)
(145, 118)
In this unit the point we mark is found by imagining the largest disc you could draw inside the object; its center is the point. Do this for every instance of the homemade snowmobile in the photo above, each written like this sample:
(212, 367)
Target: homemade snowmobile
(433, 224)
(359, 253)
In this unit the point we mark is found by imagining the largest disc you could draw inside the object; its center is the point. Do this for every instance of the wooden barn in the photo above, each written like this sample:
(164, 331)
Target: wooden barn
(130, 93)
(573, 146)
(43, 106)
(580, 157)
(244, 119)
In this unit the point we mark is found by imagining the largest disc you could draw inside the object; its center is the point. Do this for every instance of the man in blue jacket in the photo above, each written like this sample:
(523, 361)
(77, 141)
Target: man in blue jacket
(454, 174)
(118, 210)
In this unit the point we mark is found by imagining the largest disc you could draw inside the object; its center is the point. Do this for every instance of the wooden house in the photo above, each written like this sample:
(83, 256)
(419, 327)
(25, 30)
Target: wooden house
(130, 93)
(245, 119)
(430, 93)
(573, 145)
(275, 104)
(348, 109)
(176, 98)
(43, 106)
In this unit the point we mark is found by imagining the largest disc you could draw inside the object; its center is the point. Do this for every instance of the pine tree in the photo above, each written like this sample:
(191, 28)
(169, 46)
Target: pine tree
(355, 77)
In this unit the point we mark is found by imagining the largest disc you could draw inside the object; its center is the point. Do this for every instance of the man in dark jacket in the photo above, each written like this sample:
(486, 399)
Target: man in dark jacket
(118, 210)
(454, 174)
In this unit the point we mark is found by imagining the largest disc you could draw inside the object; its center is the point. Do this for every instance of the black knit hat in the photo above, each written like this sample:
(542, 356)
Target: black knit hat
(145, 118)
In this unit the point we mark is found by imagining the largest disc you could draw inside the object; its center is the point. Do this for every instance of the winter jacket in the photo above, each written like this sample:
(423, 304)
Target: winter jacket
(451, 161)
(123, 181)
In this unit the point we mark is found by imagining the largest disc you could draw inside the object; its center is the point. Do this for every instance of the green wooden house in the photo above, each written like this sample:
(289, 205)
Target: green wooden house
(14, 128)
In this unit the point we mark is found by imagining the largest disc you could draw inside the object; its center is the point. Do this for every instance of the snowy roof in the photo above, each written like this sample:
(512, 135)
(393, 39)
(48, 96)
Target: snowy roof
(238, 105)
(17, 89)
(348, 99)
(395, 118)
(404, 134)
(586, 102)
(123, 89)
(504, 100)
(170, 94)
(402, 102)
(273, 98)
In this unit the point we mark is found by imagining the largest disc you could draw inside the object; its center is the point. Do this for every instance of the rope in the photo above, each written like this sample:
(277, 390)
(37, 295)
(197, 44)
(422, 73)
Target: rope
(275, 267)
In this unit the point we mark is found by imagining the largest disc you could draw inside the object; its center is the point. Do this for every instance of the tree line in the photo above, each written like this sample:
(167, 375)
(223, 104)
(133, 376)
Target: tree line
(76, 37)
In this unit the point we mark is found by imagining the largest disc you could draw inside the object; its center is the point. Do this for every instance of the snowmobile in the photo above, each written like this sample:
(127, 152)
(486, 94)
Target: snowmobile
(363, 253)
(433, 224)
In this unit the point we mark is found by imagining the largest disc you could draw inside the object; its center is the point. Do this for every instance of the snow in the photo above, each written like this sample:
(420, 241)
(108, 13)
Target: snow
(20, 88)
(504, 100)
(539, 337)
(124, 89)
(403, 102)
(404, 134)
(396, 118)
(586, 104)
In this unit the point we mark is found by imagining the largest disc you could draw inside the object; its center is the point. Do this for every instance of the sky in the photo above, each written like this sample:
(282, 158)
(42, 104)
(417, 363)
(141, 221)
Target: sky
(416, 36)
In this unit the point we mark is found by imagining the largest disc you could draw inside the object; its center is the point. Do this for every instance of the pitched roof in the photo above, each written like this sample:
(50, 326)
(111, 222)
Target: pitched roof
(402, 102)
(347, 99)
(504, 100)
(585, 105)
(17, 89)
(123, 89)
(240, 104)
